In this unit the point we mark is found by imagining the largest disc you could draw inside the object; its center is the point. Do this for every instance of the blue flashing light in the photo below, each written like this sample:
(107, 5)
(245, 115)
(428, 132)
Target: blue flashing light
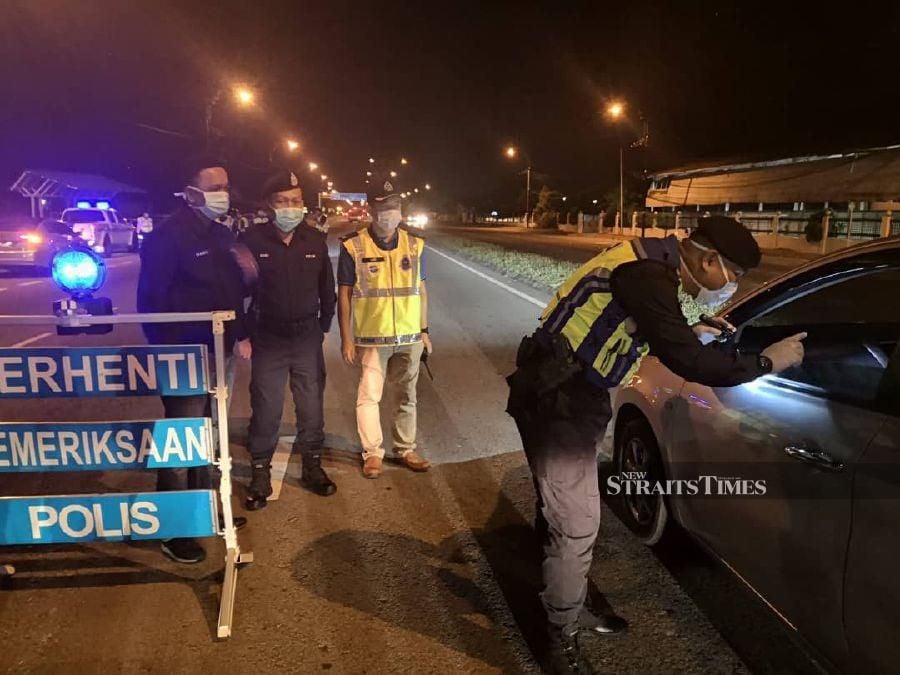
(78, 272)
(83, 205)
(102, 205)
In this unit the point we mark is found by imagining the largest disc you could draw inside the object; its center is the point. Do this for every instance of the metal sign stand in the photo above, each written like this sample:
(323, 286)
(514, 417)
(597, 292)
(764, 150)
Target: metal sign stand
(234, 557)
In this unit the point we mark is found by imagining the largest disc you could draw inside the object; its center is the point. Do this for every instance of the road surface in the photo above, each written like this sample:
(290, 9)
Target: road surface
(412, 573)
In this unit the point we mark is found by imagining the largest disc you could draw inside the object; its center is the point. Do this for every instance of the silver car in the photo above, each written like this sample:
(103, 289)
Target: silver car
(101, 229)
(821, 545)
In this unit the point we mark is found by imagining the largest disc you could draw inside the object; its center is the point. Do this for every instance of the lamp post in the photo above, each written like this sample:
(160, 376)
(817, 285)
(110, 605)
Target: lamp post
(615, 111)
(243, 96)
(511, 152)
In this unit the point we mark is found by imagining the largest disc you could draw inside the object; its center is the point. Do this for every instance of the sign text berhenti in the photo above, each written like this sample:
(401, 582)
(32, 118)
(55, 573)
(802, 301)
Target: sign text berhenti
(43, 372)
(99, 446)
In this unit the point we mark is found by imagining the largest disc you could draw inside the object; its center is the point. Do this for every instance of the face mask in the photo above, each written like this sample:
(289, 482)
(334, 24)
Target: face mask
(713, 297)
(386, 222)
(288, 219)
(215, 204)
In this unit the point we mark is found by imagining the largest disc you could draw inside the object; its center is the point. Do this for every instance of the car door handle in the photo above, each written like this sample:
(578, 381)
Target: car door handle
(814, 456)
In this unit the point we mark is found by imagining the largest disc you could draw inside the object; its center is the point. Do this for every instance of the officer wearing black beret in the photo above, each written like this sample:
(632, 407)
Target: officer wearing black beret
(616, 309)
(292, 308)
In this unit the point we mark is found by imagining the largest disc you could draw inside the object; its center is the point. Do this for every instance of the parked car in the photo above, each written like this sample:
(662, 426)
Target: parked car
(357, 213)
(821, 547)
(101, 229)
(31, 243)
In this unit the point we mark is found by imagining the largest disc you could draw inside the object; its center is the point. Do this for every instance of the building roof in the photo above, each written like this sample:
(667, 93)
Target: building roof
(872, 174)
(48, 183)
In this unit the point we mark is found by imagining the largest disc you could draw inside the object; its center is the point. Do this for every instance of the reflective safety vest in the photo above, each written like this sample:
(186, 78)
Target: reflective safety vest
(387, 301)
(596, 327)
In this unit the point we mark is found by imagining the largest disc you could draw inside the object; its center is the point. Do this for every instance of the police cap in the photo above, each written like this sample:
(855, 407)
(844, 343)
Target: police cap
(731, 239)
(383, 194)
(280, 181)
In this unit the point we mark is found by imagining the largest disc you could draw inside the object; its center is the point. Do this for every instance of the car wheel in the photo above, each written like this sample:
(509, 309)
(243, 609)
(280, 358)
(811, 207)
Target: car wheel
(637, 451)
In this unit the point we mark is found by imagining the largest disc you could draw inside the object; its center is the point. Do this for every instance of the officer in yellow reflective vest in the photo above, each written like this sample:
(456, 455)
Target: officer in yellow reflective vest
(383, 313)
(617, 308)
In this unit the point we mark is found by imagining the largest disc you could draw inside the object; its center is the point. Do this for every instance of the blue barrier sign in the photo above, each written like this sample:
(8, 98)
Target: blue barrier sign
(109, 517)
(101, 446)
(56, 372)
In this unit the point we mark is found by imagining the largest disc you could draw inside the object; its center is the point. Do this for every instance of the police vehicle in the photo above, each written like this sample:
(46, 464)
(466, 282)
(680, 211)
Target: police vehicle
(100, 228)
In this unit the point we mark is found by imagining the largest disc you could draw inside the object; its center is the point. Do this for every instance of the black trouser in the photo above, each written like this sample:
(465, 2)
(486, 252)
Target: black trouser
(277, 359)
(195, 477)
(560, 431)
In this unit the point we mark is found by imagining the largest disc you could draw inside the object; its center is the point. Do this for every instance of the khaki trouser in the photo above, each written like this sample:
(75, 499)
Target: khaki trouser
(400, 366)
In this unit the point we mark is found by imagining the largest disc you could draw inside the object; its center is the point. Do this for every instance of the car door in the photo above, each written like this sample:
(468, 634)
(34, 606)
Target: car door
(802, 432)
(872, 586)
(119, 232)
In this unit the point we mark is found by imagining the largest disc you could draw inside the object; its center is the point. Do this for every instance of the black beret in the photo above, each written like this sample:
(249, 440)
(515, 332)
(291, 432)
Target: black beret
(280, 181)
(194, 164)
(731, 239)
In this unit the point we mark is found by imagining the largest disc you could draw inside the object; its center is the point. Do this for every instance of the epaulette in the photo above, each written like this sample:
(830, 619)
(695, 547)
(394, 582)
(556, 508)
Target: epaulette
(347, 237)
(412, 232)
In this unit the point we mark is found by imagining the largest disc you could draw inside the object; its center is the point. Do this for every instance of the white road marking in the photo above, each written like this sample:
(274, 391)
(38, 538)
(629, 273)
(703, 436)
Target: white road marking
(487, 277)
(30, 283)
(280, 464)
(28, 341)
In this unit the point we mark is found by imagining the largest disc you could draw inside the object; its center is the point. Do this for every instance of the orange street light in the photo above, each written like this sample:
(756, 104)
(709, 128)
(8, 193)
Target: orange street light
(313, 166)
(615, 110)
(393, 174)
(324, 177)
(371, 160)
(403, 160)
(244, 96)
(427, 186)
(511, 152)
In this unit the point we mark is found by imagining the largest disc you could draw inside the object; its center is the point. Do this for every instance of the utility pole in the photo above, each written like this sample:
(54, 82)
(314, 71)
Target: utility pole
(527, 194)
(621, 189)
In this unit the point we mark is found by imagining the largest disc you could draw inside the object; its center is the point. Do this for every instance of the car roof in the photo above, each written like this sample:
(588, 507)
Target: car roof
(876, 246)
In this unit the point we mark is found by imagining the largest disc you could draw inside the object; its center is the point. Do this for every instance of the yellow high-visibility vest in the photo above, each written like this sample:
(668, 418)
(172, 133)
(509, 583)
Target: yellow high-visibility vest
(387, 301)
(596, 327)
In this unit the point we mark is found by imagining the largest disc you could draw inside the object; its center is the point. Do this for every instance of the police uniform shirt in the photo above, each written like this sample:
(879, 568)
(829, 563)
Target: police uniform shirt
(187, 266)
(347, 266)
(296, 282)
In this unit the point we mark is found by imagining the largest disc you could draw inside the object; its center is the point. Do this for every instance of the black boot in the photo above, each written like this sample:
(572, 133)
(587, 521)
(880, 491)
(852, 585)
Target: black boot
(314, 478)
(563, 654)
(260, 486)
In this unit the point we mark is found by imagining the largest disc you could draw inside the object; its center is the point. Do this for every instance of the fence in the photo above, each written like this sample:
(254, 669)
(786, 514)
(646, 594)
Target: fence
(170, 370)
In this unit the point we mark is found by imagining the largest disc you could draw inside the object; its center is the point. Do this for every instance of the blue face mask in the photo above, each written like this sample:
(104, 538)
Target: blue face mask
(289, 218)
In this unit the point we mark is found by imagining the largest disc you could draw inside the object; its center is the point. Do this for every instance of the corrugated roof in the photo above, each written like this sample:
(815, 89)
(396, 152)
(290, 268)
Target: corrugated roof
(86, 185)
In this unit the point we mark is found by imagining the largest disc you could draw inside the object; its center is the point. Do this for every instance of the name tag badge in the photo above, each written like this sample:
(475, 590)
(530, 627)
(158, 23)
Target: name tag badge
(202, 253)
(373, 260)
(310, 255)
(263, 255)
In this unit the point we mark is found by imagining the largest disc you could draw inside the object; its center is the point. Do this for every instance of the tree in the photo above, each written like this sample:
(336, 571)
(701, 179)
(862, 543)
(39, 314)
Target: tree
(548, 204)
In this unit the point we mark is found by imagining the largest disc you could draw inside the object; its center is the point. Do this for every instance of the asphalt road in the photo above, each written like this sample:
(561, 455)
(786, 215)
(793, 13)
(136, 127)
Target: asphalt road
(433, 573)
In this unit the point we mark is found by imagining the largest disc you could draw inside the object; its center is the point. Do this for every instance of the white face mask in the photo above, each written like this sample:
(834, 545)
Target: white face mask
(713, 297)
(386, 222)
(215, 204)
(289, 218)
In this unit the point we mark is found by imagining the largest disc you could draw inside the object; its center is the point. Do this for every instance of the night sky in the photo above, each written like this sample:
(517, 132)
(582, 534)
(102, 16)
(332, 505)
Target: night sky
(445, 84)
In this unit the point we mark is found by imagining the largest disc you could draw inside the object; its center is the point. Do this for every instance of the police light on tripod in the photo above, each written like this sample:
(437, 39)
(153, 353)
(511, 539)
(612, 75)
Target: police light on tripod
(80, 272)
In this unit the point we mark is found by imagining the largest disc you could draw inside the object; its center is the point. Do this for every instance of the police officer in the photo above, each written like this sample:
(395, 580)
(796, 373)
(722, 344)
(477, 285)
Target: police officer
(188, 265)
(292, 306)
(612, 312)
(381, 278)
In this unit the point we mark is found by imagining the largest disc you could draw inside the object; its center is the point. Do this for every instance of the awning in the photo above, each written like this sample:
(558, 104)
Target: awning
(43, 184)
(870, 175)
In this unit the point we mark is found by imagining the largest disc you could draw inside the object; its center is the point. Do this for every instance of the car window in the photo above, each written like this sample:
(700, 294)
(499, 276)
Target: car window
(111, 217)
(83, 216)
(56, 227)
(853, 327)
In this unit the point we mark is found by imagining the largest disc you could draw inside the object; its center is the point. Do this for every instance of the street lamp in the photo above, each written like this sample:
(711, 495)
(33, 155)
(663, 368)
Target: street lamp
(371, 160)
(244, 96)
(403, 160)
(511, 152)
(368, 174)
(427, 186)
(292, 145)
(313, 166)
(324, 177)
(393, 174)
(615, 111)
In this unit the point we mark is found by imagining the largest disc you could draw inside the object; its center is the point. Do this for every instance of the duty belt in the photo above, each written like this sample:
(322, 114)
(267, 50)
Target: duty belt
(288, 328)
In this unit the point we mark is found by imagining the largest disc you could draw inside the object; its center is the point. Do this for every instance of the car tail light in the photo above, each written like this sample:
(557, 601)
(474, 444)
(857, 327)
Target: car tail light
(32, 238)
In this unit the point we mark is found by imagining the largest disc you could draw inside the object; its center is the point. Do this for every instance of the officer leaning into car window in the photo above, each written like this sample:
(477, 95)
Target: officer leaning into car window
(292, 308)
(613, 311)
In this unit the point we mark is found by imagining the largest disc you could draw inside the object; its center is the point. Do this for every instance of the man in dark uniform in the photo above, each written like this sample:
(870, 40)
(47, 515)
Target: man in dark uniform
(187, 265)
(293, 305)
(615, 309)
